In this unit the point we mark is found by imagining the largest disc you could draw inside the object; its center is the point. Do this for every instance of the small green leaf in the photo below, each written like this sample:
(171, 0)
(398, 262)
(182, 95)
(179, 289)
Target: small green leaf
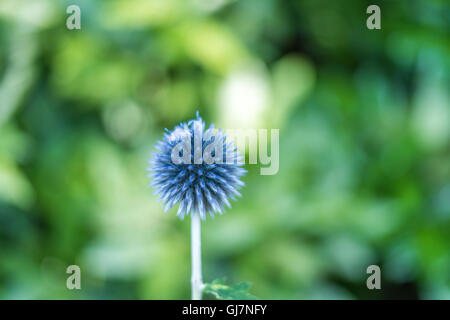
(221, 291)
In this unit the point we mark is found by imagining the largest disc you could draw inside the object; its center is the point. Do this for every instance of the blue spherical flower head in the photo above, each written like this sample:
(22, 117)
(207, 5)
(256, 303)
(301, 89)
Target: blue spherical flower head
(197, 168)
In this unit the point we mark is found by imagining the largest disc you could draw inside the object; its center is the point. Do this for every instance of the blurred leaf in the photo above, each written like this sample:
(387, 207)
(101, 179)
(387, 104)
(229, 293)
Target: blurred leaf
(221, 291)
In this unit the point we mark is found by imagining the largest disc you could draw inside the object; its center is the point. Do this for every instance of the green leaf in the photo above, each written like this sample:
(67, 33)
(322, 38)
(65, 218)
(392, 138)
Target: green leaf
(221, 291)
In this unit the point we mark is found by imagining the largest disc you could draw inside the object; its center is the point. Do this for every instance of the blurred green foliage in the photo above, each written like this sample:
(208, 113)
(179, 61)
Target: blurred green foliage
(222, 291)
(364, 120)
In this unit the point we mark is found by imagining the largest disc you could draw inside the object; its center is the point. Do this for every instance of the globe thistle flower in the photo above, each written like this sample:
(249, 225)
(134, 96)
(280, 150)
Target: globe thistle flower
(197, 168)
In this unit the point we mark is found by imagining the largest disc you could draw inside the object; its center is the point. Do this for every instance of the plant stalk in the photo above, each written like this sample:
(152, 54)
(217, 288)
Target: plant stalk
(196, 256)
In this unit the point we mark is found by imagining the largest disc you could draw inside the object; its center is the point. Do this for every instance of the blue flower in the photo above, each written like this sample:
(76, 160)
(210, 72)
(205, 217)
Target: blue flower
(197, 168)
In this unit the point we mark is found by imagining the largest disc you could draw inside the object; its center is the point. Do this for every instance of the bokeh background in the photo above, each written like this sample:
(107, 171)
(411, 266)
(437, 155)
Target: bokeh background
(364, 119)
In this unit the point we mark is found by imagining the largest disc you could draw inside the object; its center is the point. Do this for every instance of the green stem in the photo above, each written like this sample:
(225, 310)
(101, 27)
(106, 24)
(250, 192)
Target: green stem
(196, 276)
